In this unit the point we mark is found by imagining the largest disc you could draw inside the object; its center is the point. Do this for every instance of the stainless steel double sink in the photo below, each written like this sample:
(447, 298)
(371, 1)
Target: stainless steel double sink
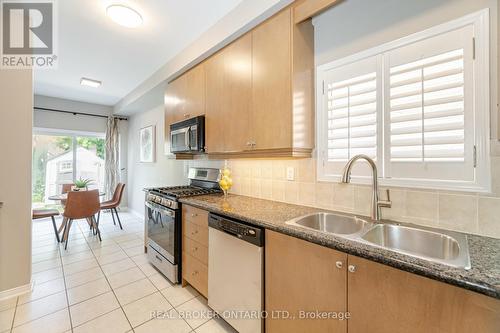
(439, 246)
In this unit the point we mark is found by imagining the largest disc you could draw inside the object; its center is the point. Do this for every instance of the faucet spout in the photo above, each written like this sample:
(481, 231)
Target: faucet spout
(376, 203)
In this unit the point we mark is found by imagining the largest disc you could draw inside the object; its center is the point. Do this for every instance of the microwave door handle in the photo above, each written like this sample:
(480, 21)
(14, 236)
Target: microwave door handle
(194, 145)
(187, 138)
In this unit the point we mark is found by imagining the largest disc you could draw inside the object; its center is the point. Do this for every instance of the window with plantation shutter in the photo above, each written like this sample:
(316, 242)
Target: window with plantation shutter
(429, 107)
(418, 106)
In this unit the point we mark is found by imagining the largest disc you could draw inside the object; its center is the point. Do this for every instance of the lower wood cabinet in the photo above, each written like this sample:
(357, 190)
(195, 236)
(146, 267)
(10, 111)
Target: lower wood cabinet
(301, 276)
(195, 248)
(385, 299)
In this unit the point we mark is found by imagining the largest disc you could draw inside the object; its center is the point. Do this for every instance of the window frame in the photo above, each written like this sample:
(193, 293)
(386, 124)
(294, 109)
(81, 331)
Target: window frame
(481, 108)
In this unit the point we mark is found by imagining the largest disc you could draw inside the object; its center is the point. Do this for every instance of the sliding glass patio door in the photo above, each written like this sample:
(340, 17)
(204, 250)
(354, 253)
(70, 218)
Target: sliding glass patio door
(62, 158)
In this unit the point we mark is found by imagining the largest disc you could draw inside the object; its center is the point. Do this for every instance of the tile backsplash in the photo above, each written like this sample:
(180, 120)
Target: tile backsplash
(459, 211)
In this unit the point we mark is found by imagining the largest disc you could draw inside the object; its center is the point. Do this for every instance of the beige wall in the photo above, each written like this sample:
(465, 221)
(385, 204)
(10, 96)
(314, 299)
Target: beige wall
(165, 171)
(350, 27)
(16, 105)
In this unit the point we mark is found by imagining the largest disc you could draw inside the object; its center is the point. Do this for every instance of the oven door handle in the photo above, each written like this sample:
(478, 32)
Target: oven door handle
(159, 209)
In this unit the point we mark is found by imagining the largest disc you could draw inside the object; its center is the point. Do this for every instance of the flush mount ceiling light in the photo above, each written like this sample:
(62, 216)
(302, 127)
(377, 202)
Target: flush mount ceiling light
(90, 82)
(124, 16)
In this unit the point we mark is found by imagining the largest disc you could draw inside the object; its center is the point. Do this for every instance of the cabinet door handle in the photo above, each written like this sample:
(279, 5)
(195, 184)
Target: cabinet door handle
(186, 115)
(352, 268)
(194, 215)
(339, 264)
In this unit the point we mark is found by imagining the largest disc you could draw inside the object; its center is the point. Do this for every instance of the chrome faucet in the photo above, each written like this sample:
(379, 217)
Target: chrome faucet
(376, 203)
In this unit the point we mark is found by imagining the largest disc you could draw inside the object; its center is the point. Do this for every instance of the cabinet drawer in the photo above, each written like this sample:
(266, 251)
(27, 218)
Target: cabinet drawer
(196, 273)
(195, 215)
(195, 249)
(195, 232)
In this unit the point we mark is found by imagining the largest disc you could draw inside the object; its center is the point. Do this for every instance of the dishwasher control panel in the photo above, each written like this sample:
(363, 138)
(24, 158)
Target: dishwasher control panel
(251, 234)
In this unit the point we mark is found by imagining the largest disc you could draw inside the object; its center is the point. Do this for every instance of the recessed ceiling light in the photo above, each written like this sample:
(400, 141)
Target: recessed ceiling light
(124, 16)
(90, 82)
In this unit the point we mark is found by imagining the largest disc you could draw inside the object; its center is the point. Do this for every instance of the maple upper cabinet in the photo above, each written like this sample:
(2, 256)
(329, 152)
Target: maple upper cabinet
(256, 93)
(184, 99)
(174, 104)
(194, 94)
(385, 299)
(302, 276)
(282, 86)
(185, 96)
(251, 86)
(228, 97)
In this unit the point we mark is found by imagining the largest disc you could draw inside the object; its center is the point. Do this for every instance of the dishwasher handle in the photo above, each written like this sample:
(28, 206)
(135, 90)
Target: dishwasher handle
(242, 231)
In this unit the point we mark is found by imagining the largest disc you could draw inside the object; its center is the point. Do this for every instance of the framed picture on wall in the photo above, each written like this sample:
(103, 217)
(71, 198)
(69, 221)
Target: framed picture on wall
(147, 144)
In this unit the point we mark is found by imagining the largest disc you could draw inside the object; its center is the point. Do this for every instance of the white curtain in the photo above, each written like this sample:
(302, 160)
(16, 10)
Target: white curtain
(112, 156)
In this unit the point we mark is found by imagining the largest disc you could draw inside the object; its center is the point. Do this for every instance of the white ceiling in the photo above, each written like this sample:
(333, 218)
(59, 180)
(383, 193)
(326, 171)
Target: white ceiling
(93, 46)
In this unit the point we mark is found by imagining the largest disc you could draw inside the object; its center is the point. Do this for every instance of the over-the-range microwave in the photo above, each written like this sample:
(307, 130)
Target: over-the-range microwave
(188, 136)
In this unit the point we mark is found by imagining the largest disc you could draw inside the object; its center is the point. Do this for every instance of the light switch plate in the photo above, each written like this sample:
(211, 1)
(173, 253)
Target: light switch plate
(290, 173)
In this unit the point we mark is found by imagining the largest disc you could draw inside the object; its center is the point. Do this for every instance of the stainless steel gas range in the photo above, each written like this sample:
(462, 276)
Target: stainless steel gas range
(163, 219)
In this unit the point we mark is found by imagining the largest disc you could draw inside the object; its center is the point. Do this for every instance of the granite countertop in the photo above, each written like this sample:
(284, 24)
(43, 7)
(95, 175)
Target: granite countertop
(483, 277)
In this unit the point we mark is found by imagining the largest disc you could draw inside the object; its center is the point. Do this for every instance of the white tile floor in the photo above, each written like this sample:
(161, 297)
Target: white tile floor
(106, 286)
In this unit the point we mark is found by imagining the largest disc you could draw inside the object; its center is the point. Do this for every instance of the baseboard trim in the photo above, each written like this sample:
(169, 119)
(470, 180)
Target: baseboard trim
(17, 291)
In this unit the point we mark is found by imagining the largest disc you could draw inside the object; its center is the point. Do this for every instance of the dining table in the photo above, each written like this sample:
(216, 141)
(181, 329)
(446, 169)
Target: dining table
(64, 196)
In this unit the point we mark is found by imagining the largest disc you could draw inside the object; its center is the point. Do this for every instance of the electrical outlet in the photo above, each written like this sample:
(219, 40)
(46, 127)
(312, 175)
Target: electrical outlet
(290, 173)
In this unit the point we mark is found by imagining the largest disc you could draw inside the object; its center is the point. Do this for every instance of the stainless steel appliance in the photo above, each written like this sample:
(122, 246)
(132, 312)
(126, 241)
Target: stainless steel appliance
(235, 272)
(188, 136)
(163, 219)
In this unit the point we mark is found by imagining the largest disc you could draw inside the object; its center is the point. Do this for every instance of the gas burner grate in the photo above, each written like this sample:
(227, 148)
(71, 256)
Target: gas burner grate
(184, 191)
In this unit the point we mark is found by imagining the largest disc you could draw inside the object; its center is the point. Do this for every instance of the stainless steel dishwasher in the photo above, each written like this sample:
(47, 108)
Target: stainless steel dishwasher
(235, 273)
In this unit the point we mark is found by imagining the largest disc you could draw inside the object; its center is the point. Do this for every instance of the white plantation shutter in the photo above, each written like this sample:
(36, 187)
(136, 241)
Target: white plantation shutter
(352, 118)
(352, 101)
(429, 109)
(419, 106)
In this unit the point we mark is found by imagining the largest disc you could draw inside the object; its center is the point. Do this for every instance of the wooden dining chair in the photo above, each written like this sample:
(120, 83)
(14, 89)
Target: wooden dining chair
(113, 203)
(44, 213)
(65, 189)
(81, 205)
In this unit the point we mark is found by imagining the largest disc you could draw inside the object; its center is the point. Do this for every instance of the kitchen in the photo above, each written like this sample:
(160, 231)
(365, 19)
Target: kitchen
(320, 166)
